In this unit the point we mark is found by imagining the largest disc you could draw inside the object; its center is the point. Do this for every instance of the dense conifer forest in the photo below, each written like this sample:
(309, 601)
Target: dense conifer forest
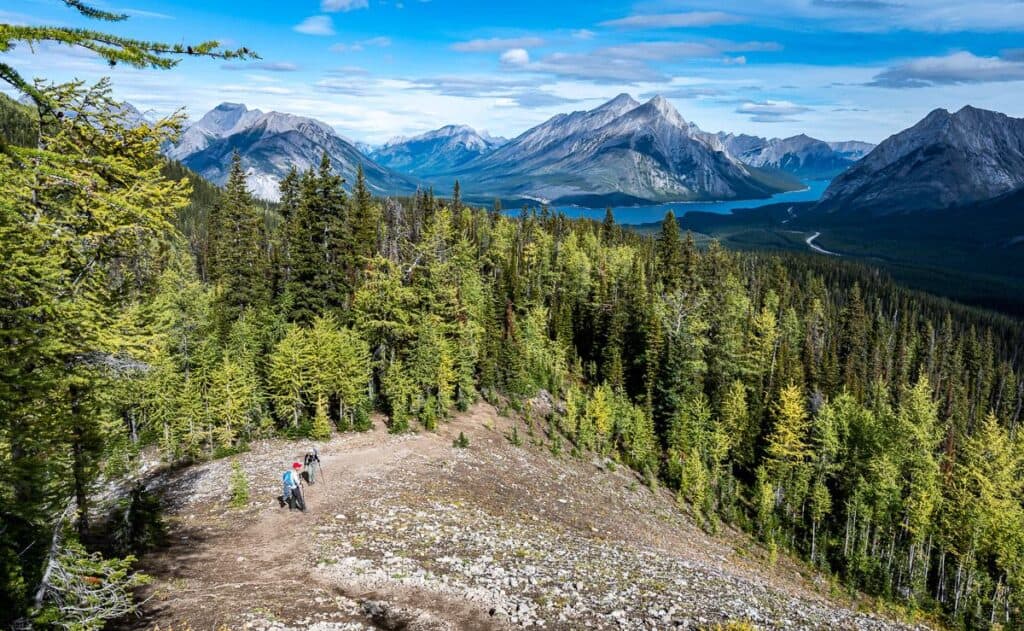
(870, 430)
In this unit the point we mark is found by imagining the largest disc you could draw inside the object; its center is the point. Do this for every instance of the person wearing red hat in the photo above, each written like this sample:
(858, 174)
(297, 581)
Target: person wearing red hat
(293, 488)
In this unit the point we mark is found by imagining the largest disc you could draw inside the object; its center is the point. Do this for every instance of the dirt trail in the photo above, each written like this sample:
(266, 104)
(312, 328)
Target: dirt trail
(407, 532)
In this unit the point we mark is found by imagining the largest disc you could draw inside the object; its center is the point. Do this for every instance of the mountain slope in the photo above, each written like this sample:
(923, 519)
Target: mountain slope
(620, 152)
(407, 532)
(971, 253)
(944, 160)
(436, 152)
(270, 144)
(801, 155)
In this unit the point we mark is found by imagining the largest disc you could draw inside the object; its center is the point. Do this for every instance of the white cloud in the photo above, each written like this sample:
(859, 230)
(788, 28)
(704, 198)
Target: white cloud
(515, 57)
(941, 16)
(583, 34)
(354, 47)
(693, 19)
(316, 25)
(334, 6)
(771, 111)
(270, 66)
(594, 67)
(260, 89)
(666, 51)
(496, 43)
(961, 67)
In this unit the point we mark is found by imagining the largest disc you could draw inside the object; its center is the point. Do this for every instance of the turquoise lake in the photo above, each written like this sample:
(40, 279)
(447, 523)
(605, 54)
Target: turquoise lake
(650, 214)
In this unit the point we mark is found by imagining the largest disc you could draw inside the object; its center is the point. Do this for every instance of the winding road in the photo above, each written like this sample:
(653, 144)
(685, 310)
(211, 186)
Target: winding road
(818, 248)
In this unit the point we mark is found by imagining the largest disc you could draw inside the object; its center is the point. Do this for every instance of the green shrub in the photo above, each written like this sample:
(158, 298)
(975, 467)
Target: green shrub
(556, 444)
(514, 438)
(361, 421)
(321, 429)
(239, 486)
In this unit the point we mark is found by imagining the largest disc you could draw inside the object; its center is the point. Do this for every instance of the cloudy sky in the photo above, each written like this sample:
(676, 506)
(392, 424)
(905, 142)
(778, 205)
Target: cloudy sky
(835, 69)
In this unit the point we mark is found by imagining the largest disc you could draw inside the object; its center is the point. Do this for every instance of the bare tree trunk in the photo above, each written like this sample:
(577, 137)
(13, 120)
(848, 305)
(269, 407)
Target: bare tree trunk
(956, 587)
(941, 582)
(814, 539)
(51, 556)
(995, 600)
(846, 538)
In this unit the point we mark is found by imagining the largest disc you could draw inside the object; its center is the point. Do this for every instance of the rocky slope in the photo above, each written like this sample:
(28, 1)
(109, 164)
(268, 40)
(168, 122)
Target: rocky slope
(407, 532)
(801, 155)
(944, 160)
(620, 152)
(436, 152)
(271, 143)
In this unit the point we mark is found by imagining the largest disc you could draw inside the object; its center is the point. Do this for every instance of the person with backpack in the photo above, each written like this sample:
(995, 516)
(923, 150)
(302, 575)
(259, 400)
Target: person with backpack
(293, 488)
(310, 463)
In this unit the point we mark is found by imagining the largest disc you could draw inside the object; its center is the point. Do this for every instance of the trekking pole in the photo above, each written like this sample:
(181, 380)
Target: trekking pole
(321, 468)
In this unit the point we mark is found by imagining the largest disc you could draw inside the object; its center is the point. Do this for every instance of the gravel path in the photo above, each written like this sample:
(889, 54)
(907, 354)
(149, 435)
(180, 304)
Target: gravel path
(407, 532)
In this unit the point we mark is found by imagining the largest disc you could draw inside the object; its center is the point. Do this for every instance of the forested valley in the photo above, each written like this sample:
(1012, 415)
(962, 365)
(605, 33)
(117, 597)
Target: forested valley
(870, 430)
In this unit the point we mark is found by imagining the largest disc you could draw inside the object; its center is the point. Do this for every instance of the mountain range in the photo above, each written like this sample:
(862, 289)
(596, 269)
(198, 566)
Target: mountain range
(619, 153)
(800, 155)
(643, 152)
(625, 152)
(440, 151)
(271, 143)
(622, 152)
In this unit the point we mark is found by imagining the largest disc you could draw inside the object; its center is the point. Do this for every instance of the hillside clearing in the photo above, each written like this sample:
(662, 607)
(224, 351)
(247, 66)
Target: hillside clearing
(407, 532)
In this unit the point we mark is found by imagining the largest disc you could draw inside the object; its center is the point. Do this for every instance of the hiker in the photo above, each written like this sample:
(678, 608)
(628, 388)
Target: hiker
(310, 463)
(293, 488)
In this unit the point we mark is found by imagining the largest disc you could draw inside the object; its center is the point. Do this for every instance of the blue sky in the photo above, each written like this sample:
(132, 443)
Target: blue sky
(835, 69)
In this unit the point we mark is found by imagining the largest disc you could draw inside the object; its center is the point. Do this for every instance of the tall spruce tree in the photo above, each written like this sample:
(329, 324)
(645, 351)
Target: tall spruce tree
(364, 219)
(670, 255)
(238, 265)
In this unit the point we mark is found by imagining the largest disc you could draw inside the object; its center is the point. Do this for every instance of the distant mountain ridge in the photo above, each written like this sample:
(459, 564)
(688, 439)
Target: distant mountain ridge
(945, 160)
(271, 143)
(618, 153)
(852, 149)
(800, 155)
(622, 152)
(438, 151)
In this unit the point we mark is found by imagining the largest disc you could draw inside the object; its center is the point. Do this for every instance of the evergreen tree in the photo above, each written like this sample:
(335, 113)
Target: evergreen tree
(670, 254)
(364, 217)
(456, 197)
(237, 264)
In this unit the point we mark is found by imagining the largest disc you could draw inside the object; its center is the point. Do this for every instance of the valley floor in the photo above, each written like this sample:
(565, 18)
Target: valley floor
(407, 532)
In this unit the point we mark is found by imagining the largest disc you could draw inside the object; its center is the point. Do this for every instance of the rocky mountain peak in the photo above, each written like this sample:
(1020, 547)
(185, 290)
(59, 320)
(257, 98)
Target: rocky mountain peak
(621, 103)
(944, 160)
(224, 117)
(270, 144)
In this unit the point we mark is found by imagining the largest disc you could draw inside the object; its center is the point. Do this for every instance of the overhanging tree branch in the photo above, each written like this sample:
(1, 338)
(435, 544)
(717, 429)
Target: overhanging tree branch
(111, 48)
